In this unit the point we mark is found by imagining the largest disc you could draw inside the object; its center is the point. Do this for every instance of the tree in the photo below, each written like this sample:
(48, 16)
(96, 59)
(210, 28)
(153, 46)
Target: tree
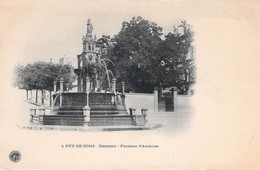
(41, 75)
(177, 46)
(104, 43)
(134, 53)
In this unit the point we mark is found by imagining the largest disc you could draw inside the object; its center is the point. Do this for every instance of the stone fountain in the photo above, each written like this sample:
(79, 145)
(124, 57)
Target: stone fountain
(96, 102)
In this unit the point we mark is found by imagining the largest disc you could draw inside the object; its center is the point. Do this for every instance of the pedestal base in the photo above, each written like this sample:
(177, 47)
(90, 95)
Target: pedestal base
(86, 113)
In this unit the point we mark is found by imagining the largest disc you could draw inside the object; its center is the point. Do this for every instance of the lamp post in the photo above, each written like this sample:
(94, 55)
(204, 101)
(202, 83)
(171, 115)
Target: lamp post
(86, 109)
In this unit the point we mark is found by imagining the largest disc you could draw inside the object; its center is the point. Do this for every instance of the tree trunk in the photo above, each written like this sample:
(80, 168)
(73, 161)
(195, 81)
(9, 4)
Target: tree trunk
(42, 97)
(31, 95)
(36, 96)
(50, 99)
(26, 94)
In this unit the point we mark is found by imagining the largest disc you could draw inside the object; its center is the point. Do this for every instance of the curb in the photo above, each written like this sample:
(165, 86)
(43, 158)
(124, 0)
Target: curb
(91, 129)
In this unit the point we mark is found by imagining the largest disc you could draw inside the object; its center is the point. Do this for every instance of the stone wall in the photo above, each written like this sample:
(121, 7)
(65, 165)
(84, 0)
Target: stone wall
(144, 100)
(140, 100)
(135, 100)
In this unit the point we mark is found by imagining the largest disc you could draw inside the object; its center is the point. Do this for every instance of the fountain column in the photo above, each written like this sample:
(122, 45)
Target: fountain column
(79, 84)
(123, 87)
(54, 92)
(84, 82)
(61, 90)
(114, 85)
(86, 109)
(55, 87)
(96, 83)
(79, 78)
(67, 87)
(87, 89)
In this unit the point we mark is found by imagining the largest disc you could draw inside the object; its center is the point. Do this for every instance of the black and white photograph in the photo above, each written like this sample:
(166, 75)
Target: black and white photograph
(129, 84)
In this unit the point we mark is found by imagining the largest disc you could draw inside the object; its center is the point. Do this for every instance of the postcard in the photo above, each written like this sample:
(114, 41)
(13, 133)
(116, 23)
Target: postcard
(129, 84)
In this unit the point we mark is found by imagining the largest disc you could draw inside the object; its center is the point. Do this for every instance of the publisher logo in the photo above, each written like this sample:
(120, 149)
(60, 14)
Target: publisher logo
(15, 156)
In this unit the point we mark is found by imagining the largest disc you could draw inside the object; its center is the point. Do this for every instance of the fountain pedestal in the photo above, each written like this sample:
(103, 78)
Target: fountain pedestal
(86, 113)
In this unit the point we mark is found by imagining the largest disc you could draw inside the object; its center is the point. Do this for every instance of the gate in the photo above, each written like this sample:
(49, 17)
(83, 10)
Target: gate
(165, 100)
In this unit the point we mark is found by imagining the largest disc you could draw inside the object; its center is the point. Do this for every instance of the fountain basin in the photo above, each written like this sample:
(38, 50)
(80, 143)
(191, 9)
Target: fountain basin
(97, 120)
(107, 109)
(100, 104)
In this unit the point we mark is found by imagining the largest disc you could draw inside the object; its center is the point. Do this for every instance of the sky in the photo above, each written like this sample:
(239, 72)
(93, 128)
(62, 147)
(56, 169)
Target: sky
(40, 30)
(44, 30)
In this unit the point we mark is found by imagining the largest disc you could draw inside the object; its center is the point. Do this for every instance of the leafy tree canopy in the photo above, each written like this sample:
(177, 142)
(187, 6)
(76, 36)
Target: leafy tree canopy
(146, 61)
(177, 46)
(135, 55)
(41, 75)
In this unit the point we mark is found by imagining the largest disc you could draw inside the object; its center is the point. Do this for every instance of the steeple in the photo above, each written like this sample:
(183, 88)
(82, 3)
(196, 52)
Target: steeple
(89, 28)
(88, 42)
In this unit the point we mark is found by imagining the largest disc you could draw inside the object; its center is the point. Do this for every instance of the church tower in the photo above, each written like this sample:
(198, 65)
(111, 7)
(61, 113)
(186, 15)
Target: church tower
(87, 59)
(89, 44)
